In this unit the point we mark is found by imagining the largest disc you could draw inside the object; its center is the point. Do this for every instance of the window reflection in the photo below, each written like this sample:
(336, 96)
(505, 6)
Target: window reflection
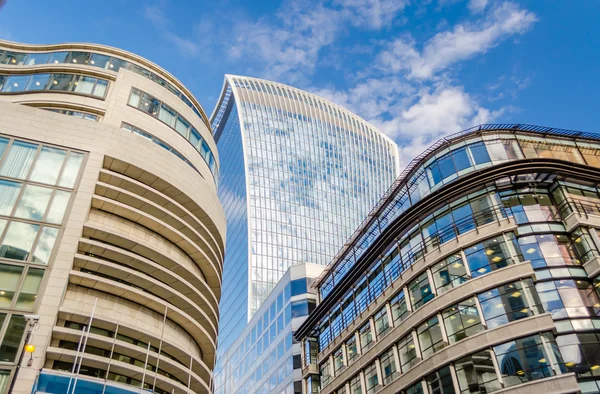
(19, 159)
(580, 353)
(45, 245)
(476, 373)
(430, 337)
(10, 276)
(440, 382)
(548, 250)
(509, 303)
(11, 343)
(407, 353)
(449, 273)
(18, 240)
(33, 202)
(71, 170)
(462, 320)
(523, 360)
(9, 191)
(569, 298)
(29, 289)
(490, 255)
(420, 291)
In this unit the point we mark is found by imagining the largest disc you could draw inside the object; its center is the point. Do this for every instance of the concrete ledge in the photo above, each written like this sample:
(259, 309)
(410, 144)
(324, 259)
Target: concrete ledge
(592, 267)
(566, 383)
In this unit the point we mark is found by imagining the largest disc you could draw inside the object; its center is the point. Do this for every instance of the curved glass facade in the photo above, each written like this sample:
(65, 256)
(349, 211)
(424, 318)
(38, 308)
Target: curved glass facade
(311, 172)
(91, 59)
(509, 239)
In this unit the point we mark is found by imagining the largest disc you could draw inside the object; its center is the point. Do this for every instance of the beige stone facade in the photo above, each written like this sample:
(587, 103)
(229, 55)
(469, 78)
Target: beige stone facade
(143, 237)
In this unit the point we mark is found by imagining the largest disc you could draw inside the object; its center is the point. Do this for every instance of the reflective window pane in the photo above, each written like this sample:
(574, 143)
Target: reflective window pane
(12, 339)
(15, 83)
(9, 281)
(100, 89)
(9, 191)
(19, 159)
(18, 240)
(48, 165)
(34, 59)
(58, 207)
(71, 170)
(29, 290)
(84, 84)
(38, 82)
(34, 202)
(61, 82)
(44, 247)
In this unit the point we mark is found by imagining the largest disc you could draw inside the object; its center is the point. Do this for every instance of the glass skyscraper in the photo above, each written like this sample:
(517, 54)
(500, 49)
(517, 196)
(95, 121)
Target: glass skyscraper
(298, 175)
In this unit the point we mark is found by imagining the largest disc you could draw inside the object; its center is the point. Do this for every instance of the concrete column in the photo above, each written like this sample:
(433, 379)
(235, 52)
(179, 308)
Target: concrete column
(407, 299)
(417, 345)
(363, 384)
(431, 282)
(454, 378)
(442, 328)
(480, 312)
(463, 257)
(396, 358)
(379, 371)
(372, 325)
(550, 354)
(496, 367)
(388, 310)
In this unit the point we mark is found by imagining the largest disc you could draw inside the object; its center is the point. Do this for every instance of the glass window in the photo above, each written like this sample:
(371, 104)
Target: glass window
(15, 83)
(355, 386)
(461, 159)
(9, 191)
(45, 245)
(300, 308)
(580, 353)
(325, 373)
(522, 360)
(195, 137)
(399, 308)
(100, 88)
(18, 240)
(299, 287)
(58, 57)
(416, 388)
(58, 207)
(462, 320)
(182, 127)
(382, 323)
(69, 175)
(476, 374)
(489, 255)
(420, 291)
(38, 82)
(33, 202)
(568, 298)
(338, 360)
(548, 250)
(167, 115)
(9, 281)
(440, 382)
(449, 273)
(407, 353)
(479, 153)
(13, 58)
(507, 303)
(388, 367)
(149, 104)
(48, 165)
(79, 57)
(84, 84)
(61, 82)
(12, 339)
(19, 159)
(135, 98)
(29, 290)
(371, 379)
(366, 337)
(98, 60)
(430, 337)
(351, 349)
(34, 59)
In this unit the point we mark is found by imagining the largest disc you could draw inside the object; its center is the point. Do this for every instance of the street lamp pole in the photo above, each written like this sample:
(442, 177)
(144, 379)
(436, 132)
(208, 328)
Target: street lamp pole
(31, 322)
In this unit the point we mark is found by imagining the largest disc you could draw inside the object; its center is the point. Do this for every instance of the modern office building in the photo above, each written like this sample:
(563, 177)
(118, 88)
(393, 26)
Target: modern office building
(266, 358)
(299, 174)
(109, 219)
(477, 273)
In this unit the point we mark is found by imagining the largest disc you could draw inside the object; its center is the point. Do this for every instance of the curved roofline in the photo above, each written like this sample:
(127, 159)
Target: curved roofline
(423, 156)
(108, 50)
(346, 110)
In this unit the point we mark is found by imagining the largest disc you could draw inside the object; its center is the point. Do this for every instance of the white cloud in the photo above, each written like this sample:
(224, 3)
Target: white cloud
(476, 6)
(462, 43)
(372, 14)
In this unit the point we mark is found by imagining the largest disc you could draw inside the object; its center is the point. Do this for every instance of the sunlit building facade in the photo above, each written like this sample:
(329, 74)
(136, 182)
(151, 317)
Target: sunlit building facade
(112, 236)
(298, 175)
(479, 272)
(265, 358)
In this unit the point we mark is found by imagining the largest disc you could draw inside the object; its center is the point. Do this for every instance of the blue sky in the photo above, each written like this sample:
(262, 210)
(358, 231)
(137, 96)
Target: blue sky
(416, 69)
